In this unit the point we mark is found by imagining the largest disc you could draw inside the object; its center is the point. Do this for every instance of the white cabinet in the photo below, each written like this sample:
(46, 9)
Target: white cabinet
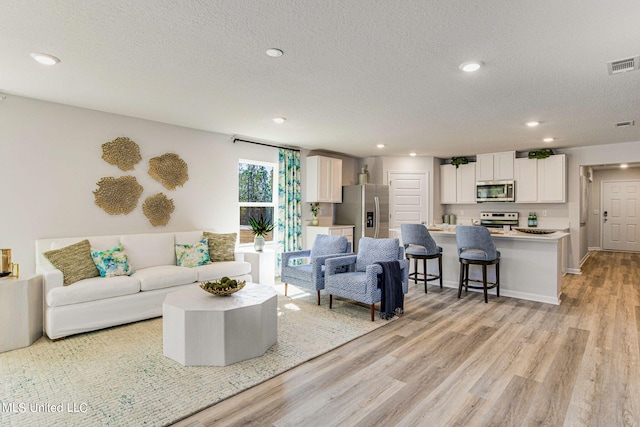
(448, 186)
(495, 166)
(458, 185)
(466, 183)
(310, 233)
(552, 179)
(324, 179)
(541, 180)
(526, 178)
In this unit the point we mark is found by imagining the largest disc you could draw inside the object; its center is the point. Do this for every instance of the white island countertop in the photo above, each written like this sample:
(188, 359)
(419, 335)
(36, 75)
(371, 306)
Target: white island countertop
(513, 234)
(530, 266)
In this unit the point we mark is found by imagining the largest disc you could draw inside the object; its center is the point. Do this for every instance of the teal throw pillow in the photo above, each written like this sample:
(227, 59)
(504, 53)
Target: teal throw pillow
(193, 255)
(112, 262)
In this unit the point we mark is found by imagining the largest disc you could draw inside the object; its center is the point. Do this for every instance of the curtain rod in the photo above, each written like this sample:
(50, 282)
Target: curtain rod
(266, 145)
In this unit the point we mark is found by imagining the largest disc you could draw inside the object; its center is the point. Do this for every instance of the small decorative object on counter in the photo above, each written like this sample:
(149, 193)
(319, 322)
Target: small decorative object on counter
(532, 220)
(315, 208)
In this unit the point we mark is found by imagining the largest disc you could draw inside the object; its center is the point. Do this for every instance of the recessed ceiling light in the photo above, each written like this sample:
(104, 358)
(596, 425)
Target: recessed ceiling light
(274, 53)
(471, 66)
(380, 145)
(279, 120)
(548, 139)
(533, 124)
(45, 58)
(624, 166)
(412, 154)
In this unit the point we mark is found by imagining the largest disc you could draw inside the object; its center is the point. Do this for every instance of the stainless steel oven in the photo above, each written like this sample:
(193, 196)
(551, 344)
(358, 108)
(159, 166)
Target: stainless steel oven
(499, 219)
(495, 191)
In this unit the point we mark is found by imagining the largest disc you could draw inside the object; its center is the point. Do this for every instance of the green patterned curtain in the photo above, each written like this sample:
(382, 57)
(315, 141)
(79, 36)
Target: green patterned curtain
(289, 203)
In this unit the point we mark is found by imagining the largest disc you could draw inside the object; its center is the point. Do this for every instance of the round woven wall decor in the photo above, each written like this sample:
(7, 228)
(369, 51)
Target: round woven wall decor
(118, 195)
(158, 209)
(169, 170)
(122, 152)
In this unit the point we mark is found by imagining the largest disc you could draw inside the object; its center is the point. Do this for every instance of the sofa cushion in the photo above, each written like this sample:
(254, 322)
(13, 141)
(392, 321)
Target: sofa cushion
(217, 270)
(165, 276)
(221, 246)
(187, 237)
(93, 289)
(112, 262)
(149, 249)
(192, 255)
(74, 261)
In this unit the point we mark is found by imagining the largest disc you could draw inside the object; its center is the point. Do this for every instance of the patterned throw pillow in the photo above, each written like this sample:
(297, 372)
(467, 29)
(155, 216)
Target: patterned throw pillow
(74, 261)
(193, 255)
(221, 246)
(112, 262)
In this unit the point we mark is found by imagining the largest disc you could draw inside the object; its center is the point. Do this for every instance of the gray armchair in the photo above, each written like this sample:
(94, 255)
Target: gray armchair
(311, 275)
(362, 284)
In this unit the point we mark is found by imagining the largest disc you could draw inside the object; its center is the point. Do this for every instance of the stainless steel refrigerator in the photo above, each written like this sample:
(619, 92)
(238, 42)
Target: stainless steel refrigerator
(366, 206)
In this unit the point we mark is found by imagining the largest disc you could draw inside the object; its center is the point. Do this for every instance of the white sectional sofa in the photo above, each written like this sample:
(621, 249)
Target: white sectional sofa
(102, 302)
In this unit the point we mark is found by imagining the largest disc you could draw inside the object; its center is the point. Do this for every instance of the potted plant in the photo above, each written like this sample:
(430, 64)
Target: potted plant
(315, 208)
(540, 154)
(457, 161)
(260, 227)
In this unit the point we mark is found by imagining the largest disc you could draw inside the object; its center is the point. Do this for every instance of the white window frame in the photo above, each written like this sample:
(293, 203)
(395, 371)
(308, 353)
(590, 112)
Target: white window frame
(273, 204)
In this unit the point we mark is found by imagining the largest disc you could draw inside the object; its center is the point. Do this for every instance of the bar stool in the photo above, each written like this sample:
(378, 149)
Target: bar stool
(475, 247)
(419, 245)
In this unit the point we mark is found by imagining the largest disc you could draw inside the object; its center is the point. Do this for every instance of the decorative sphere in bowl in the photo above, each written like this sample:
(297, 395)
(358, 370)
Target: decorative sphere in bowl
(223, 287)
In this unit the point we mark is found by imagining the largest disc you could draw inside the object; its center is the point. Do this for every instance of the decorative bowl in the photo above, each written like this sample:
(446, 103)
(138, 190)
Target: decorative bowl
(222, 287)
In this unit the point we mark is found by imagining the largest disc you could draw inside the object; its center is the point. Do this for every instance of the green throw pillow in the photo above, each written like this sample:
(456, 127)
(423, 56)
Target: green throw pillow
(74, 261)
(192, 255)
(221, 246)
(112, 262)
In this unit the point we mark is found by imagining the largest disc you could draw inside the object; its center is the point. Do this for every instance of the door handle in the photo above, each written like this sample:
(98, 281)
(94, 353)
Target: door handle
(376, 202)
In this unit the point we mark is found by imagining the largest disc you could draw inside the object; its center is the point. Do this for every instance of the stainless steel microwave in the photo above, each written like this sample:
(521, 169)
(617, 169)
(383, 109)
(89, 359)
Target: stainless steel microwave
(495, 191)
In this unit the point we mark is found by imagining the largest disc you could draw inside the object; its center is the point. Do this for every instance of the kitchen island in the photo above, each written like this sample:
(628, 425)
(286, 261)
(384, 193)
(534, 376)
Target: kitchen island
(531, 265)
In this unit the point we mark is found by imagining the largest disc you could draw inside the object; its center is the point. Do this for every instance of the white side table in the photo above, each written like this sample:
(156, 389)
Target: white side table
(20, 311)
(199, 329)
(263, 266)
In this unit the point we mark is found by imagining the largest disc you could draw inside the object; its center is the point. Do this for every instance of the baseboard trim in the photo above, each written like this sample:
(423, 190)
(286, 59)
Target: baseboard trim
(512, 294)
(574, 271)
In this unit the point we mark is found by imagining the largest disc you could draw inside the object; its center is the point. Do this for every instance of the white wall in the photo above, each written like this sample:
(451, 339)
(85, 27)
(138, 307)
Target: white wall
(626, 152)
(595, 203)
(50, 162)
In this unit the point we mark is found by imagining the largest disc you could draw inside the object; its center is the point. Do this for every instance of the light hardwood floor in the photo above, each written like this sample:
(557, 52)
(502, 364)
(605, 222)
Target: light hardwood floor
(461, 362)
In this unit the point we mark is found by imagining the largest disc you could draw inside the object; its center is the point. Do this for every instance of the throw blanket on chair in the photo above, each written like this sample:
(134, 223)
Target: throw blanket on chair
(390, 283)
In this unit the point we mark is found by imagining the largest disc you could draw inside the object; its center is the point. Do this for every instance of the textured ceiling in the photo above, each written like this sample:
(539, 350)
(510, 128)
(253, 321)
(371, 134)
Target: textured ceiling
(354, 74)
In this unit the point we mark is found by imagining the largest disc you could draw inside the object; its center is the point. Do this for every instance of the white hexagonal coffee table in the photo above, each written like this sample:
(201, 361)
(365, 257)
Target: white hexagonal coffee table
(201, 329)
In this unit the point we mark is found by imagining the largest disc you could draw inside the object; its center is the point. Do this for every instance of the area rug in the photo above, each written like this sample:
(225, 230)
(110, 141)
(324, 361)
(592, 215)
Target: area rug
(119, 377)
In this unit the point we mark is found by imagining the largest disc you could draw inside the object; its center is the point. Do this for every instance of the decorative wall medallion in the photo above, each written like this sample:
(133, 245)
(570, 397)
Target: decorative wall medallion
(158, 209)
(169, 170)
(118, 195)
(122, 152)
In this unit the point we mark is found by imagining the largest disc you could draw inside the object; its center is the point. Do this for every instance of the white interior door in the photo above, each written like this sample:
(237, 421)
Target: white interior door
(408, 194)
(620, 210)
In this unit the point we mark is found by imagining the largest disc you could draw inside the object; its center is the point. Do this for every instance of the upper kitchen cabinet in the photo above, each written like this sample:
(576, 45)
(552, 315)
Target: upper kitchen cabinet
(526, 177)
(324, 179)
(458, 185)
(552, 179)
(541, 180)
(495, 166)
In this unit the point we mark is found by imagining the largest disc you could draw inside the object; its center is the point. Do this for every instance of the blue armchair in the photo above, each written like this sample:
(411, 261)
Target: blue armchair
(311, 275)
(362, 284)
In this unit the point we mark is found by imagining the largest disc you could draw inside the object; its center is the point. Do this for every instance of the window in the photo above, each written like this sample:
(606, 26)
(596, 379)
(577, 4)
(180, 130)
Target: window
(257, 196)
